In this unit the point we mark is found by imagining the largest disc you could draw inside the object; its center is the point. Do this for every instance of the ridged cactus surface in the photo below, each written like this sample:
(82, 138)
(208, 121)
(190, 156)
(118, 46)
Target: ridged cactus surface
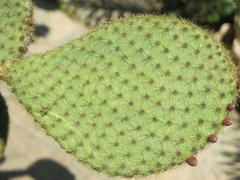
(15, 28)
(133, 97)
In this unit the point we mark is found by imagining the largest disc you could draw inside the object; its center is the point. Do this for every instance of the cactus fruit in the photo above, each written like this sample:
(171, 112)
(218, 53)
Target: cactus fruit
(133, 97)
(15, 29)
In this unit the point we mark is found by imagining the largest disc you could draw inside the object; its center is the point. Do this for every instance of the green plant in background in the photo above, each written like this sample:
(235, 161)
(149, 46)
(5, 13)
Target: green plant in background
(15, 31)
(205, 11)
(202, 12)
(133, 97)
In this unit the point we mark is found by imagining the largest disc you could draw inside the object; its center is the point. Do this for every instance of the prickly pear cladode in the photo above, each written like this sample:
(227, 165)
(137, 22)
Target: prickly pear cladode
(133, 97)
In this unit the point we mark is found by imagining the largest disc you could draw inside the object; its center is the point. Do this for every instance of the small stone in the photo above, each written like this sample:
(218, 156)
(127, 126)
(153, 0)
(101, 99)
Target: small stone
(192, 161)
(227, 121)
(212, 138)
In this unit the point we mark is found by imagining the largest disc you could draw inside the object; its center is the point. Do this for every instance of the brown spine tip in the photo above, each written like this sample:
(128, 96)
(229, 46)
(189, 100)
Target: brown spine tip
(192, 161)
(30, 21)
(231, 106)
(212, 138)
(227, 121)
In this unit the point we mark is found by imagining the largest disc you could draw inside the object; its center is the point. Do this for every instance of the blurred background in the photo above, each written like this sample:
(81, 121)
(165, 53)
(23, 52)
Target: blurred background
(32, 155)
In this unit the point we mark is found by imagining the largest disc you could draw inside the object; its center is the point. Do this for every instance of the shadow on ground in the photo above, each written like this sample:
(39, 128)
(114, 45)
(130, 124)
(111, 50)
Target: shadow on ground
(44, 169)
(234, 173)
(41, 30)
(47, 5)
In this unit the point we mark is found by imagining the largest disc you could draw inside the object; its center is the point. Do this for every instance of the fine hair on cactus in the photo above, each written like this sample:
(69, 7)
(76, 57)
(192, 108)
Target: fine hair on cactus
(135, 96)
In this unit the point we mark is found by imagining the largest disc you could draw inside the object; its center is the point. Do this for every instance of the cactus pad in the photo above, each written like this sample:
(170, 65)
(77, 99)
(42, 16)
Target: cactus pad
(15, 28)
(133, 97)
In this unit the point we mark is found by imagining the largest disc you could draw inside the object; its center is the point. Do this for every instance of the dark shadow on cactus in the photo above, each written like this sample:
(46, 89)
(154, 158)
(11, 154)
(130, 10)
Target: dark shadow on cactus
(4, 119)
(43, 169)
(47, 4)
(41, 30)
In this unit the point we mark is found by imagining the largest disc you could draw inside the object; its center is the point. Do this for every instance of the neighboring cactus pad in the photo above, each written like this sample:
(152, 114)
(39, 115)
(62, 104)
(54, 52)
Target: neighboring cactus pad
(15, 28)
(133, 97)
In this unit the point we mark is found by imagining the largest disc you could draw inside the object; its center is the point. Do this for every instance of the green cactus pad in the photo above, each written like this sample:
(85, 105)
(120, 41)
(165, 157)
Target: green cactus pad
(133, 97)
(15, 28)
